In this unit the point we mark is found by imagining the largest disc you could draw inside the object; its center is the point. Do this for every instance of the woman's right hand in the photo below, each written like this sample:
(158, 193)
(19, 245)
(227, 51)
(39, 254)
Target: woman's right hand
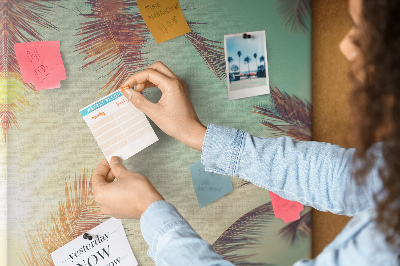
(173, 113)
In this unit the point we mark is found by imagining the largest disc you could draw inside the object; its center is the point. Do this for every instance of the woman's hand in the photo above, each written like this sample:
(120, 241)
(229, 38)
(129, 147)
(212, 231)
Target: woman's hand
(174, 113)
(127, 197)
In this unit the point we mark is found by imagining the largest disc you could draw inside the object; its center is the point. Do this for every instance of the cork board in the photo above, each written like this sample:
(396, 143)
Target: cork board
(331, 89)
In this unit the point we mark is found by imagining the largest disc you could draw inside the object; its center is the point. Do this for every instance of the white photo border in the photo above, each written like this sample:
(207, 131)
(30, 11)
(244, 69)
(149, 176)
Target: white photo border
(247, 92)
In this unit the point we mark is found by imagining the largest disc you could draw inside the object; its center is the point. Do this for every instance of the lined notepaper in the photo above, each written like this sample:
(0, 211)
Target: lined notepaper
(119, 128)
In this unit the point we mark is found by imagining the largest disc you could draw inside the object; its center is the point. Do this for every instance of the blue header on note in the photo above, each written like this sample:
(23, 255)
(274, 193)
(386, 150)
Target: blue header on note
(100, 103)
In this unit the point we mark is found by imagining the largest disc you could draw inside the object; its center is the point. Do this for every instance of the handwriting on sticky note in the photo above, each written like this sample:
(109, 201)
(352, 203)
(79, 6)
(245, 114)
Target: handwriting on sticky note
(41, 64)
(209, 186)
(108, 246)
(164, 18)
(284, 209)
(118, 126)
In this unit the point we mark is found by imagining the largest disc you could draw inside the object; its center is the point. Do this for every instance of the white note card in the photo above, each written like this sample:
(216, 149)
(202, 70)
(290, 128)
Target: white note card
(109, 247)
(118, 126)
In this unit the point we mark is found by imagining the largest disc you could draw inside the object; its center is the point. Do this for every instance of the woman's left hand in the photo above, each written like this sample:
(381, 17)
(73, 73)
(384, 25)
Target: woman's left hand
(127, 197)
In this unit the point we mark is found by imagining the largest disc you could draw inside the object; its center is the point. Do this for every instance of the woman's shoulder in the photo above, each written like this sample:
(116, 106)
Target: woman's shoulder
(362, 241)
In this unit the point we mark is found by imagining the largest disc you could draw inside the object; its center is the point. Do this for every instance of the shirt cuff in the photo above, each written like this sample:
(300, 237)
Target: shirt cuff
(222, 148)
(158, 219)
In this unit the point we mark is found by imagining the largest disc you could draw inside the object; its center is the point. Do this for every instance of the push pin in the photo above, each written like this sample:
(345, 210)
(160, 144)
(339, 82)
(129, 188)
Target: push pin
(87, 236)
(246, 36)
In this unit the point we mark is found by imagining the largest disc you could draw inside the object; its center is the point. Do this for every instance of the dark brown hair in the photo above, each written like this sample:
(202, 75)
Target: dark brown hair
(376, 106)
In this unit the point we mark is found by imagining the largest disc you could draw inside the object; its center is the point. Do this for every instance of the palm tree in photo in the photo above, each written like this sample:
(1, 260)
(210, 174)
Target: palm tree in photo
(247, 60)
(230, 76)
(262, 59)
(239, 54)
(255, 58)
(263, 70)
(234, 68)
(230, 60)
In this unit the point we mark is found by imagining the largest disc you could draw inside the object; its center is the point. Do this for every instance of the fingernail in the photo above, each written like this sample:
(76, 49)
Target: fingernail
(128, 93)
(115, 160)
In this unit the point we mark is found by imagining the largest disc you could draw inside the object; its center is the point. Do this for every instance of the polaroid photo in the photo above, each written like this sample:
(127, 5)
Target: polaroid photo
(246, 64)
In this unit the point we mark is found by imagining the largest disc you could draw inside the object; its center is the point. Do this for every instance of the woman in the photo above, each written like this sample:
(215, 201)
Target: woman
(363, 183)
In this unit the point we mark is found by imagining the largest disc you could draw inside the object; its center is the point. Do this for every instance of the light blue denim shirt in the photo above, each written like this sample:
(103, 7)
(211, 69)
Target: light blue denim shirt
(312, 173)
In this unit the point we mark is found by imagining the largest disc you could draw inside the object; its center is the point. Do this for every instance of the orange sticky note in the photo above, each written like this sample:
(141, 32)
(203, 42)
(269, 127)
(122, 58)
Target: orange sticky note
(41, 64)
(284, 209)
(164, 18)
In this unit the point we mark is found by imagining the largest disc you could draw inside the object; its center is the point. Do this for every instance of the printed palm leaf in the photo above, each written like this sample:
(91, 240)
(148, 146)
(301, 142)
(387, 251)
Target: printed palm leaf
(17, 24)
(113, 36)
(117, 34)
(286, 115)
(12, 100)
(295, 14)
(75, 216)
(242, 183)
(212, 53)
(301, 227)
(244, 234)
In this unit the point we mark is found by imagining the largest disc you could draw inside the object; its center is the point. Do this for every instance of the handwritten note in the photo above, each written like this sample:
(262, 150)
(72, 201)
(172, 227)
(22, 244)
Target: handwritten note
(209, 186)
(109, 246)
(41, 64)
(118, 126)
(284, 209)
(164, 18)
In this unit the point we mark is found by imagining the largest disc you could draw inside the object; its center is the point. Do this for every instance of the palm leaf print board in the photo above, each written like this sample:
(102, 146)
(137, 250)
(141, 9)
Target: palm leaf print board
(49, 153)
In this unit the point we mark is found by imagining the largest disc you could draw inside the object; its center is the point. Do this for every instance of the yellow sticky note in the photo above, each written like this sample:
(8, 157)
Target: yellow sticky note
(164, 18)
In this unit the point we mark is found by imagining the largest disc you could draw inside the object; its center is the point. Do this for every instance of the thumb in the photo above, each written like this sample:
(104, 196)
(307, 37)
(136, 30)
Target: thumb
(117, 167)
(138, 100)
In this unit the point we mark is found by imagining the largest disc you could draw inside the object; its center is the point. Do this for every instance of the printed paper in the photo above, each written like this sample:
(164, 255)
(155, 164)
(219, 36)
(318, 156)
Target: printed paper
(164, 18)
(209, 186)
(118, 126)
(41, 64)
(284, 209)
(109, 246)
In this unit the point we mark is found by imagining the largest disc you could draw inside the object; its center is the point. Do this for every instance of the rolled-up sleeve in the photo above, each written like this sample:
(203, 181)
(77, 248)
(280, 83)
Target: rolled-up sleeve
(172, 241)
(313, 173)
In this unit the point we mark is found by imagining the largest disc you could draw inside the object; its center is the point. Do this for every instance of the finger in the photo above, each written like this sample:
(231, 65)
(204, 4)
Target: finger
(110, 177)
(143, 86)
(160, 67)
(118, 169)
(159, 80)
(99, 176)
(140, 102)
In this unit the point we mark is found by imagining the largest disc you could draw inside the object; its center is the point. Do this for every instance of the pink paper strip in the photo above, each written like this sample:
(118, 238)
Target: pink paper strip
(284, 209)
(41, 64)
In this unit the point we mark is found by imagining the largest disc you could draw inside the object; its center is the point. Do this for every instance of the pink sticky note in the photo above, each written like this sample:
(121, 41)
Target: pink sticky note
(284, 209)
(41, 64)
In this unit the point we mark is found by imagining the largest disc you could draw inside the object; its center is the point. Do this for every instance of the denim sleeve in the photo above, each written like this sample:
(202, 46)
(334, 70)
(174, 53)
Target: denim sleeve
(172, 241)
(312, 173)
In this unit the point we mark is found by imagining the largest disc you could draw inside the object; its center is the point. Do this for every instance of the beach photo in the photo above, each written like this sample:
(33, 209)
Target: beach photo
(246, 64)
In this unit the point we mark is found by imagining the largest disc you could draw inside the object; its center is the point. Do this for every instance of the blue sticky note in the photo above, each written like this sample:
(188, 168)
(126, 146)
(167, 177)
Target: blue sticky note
(209, 186)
